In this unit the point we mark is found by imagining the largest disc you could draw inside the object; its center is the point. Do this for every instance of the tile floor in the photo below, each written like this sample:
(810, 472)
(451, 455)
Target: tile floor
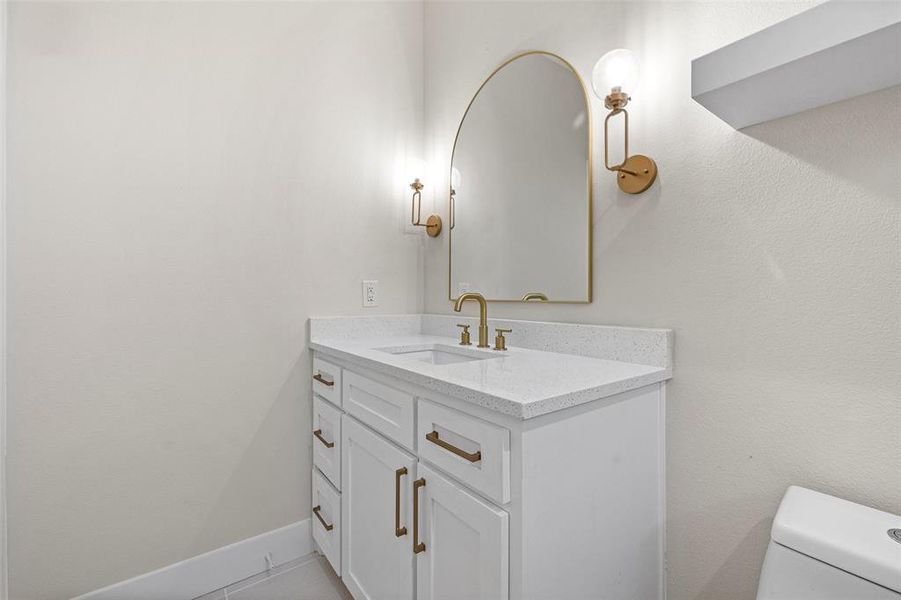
(307, 578)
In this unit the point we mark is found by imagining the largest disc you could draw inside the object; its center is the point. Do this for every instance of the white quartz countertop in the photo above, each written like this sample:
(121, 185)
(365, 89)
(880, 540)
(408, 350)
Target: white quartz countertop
(519, 382)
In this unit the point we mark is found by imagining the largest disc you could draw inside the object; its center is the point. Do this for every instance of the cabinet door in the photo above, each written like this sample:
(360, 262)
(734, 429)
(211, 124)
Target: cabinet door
(466, 542)
(376, 476)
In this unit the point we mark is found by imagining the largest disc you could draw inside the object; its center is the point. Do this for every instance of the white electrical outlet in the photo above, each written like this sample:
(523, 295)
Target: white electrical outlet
(370, 292)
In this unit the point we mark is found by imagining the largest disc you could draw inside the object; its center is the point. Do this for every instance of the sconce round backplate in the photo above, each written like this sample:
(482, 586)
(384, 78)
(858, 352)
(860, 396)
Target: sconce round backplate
(645, 170)
(433, 225)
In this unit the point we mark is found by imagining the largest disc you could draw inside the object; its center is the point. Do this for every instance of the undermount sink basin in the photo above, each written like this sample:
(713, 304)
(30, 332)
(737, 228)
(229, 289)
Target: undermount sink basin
(437, 354)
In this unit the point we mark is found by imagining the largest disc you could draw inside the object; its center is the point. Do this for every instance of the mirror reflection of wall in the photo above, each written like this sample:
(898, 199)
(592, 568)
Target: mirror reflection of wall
(521, 184)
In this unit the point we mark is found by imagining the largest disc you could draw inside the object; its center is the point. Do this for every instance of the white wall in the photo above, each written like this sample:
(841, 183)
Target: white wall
(188, 183)
(774, 253)
(3, 553)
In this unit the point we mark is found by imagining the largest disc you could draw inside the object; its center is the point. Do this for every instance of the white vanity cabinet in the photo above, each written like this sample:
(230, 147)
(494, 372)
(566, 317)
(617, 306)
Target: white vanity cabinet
(443, 499)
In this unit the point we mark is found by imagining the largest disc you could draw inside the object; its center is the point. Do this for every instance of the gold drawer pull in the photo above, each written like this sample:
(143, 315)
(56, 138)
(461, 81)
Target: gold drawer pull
(398, 530)
(316, 510)
(471, 457)
(318, 434)
(318, 377)
(417, 545)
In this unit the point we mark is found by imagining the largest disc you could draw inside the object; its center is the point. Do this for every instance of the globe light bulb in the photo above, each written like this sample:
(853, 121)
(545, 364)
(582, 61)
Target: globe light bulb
(616, 71)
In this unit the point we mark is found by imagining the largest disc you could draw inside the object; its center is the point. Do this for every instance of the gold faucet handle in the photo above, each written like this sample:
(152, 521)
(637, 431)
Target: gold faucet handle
(500, 342)
(464, 335)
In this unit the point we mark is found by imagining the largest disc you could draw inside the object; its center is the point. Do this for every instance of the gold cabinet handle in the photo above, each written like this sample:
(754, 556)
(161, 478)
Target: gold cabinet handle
(316, 510)
(318, 377)
(417, 545)
(318, 434)
(398, 530)
(470, 456)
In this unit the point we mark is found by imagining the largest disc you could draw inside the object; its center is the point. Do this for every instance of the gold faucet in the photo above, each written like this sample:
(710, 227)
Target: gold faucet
(483, 314)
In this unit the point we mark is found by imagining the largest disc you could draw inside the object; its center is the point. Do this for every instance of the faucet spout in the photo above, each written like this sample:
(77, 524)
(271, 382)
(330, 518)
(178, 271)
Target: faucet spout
(483, 314)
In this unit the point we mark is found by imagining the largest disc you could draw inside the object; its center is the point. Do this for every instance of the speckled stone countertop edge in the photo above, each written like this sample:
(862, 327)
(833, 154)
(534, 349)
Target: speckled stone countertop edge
(505, 405)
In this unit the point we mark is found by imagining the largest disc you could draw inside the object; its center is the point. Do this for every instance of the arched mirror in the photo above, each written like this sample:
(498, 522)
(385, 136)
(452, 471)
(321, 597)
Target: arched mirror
(520, 197)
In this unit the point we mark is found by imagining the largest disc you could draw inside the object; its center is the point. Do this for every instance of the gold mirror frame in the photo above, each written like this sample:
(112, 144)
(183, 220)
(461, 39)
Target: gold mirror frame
(450, 195)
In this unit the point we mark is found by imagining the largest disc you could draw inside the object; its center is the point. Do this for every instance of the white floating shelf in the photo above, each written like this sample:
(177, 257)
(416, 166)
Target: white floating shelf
(834, 51)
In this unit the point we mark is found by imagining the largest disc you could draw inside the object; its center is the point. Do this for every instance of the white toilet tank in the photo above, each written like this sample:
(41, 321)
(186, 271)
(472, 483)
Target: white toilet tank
(825, 548)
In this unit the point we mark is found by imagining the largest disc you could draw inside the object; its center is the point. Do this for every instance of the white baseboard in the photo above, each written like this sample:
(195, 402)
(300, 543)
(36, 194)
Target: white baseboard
(213, 570)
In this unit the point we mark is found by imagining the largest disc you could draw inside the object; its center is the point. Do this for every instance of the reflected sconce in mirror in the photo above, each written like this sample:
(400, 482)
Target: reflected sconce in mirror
(614, 75)
(455, 183)
(433, 223)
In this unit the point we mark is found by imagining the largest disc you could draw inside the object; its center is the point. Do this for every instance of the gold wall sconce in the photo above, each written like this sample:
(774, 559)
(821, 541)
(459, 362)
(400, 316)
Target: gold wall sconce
(433, 223)
(614, 74)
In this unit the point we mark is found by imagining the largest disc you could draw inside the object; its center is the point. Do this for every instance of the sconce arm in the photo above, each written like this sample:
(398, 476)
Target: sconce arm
(607, 164)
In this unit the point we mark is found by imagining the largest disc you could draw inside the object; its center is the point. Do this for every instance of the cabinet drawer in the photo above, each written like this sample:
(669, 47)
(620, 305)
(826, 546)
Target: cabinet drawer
(326, 519)
(383, 408)
(327, 380)
(327, 440)
(472, 450)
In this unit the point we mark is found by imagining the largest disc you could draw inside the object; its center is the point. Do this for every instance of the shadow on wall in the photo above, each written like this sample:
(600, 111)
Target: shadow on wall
(855, 130)
(613, 213)
(264, 454)
(734, 567)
